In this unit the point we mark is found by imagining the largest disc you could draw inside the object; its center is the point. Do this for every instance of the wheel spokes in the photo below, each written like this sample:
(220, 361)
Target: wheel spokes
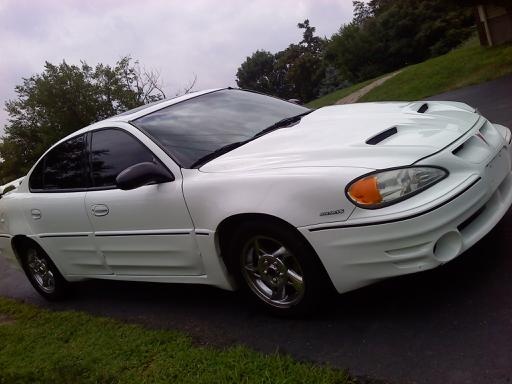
(39, 269)
(282, 253)
(272, 271)
(258, 250)
(46, 280)
(252, 270)
(295, 280)
(279, 293)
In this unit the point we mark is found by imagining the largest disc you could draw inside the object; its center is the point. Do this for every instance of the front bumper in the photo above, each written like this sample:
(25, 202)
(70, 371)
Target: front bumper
(358, 255)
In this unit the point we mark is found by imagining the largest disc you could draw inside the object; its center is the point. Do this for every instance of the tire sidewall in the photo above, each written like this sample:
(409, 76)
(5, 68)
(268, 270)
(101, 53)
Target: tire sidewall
(313, 272)
(61, 284)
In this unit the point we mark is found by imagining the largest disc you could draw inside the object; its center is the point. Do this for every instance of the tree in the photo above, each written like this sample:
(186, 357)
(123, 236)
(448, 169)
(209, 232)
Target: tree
(305, 63)
(295, 72)
(362, 12)
(260, 72)
(311, 43)
(389, 34)
(64, 98)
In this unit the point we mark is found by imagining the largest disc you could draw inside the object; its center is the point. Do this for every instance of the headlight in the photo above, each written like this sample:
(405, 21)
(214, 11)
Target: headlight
(383, 188)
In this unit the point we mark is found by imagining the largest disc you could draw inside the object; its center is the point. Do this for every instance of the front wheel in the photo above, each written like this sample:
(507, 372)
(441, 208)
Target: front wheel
(42, 273)
(277, 268)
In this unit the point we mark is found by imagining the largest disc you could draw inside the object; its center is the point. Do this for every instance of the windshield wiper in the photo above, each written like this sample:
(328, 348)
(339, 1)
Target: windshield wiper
(220, 151)
(286, 122)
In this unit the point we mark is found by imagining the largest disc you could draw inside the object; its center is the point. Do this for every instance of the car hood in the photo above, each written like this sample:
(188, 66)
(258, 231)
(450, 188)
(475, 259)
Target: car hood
(365, 135)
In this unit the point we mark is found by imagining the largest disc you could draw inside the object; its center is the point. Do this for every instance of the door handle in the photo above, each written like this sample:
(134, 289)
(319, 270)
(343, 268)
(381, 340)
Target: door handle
(36, 214)
(99, 210)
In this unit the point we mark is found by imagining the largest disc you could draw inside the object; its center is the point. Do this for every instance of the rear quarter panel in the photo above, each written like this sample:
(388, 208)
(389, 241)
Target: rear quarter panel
(12, 223)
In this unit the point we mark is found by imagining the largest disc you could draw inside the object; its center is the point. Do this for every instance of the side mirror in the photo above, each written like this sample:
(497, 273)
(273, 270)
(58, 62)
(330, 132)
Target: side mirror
(142, 174)
(7, 189)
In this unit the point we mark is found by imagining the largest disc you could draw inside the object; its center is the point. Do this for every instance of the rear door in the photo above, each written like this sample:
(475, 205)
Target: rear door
(56, 212)
(141, 232)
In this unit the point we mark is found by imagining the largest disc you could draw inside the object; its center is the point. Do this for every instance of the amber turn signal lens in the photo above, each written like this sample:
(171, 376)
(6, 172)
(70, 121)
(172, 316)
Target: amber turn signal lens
(365, 191)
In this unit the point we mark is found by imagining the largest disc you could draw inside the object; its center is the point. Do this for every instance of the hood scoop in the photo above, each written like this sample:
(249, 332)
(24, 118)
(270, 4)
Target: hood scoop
(382, 136)
(423, 108)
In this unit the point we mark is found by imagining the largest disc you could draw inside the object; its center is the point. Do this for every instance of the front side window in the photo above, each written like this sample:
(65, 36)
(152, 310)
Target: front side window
(63, 168)
(112, 151)
(197, 127)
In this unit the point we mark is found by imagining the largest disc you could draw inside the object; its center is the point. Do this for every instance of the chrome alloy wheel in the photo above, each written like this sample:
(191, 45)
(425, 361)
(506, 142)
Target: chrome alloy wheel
(272, 272)
(40, 271)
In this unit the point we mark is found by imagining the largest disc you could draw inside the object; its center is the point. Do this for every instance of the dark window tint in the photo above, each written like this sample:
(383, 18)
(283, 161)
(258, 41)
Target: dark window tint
(36, 177)
(197, 127)
(112, 152)
(64, 167)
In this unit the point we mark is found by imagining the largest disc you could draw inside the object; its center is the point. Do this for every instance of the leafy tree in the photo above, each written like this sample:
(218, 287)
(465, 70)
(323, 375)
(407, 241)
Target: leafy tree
(362, 12)
(260, 72)
(311, 43)
(389, 34)
(332, 81)
(383, 36)
(306, 63)
(64, 98)
(294, 72)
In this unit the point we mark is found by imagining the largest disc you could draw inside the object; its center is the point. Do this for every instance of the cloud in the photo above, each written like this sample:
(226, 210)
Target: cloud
(209, 38)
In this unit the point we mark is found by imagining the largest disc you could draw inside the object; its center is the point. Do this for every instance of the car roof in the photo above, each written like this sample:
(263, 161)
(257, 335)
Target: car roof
(133, 114)
(151, 107)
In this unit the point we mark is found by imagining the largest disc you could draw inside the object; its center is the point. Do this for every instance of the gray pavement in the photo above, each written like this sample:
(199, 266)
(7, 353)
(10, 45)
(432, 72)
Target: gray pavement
(449, 325)
(493, 99)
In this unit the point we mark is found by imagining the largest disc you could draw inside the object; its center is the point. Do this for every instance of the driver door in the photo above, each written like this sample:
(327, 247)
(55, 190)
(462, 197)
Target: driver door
(146, 231)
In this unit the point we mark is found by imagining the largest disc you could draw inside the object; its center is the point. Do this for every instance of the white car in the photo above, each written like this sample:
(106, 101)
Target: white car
(240, 190)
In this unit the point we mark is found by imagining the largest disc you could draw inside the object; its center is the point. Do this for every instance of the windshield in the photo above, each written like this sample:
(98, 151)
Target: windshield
(195, 128)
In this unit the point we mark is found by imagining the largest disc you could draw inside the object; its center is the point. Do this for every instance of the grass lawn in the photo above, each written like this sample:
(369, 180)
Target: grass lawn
(40, 346)
(467, 65)
(333, 97)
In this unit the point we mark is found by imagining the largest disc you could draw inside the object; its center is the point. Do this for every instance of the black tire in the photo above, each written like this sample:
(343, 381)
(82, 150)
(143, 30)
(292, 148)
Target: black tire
(39, 268)
(245, 263)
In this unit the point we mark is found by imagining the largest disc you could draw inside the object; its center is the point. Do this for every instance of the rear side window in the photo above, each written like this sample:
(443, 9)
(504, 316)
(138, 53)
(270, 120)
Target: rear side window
(63, 168)
(112, 151)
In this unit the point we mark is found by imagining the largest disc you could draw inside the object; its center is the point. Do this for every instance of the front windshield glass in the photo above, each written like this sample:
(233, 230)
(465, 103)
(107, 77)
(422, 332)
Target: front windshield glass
(199, 126)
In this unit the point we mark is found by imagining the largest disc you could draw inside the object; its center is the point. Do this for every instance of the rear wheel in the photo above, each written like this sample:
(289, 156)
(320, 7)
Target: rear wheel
(42, 273)
(277, 268)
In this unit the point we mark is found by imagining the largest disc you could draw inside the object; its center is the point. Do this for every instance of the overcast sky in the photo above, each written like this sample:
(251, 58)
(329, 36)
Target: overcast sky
(209, 38)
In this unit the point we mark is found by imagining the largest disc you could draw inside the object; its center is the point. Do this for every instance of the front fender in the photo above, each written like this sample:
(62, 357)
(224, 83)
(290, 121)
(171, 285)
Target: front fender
(300, 196)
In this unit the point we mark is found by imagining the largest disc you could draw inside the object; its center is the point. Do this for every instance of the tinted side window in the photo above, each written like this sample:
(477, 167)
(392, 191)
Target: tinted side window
(64, 167)
(36, 177)
(112, 152)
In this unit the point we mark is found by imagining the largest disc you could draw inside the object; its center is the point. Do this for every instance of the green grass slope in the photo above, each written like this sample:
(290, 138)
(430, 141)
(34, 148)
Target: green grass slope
(40, 346)
(333, 97)
(467, 65)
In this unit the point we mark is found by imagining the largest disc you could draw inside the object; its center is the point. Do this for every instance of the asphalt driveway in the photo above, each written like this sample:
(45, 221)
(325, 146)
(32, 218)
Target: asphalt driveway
(449, 325)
